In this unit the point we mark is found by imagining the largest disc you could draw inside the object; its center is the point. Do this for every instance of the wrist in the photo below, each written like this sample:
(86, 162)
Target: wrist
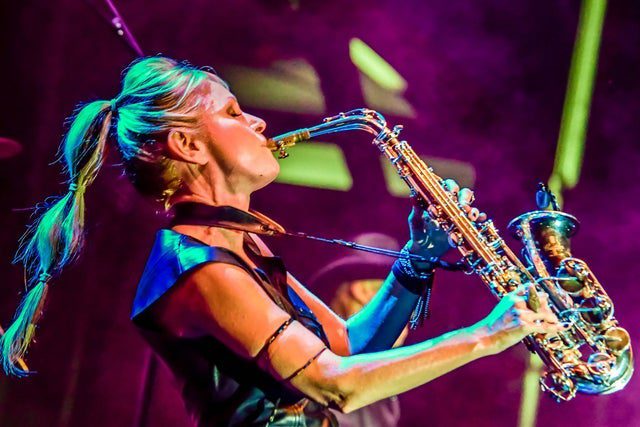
(429, 262)
(485, 342)
(412, 280)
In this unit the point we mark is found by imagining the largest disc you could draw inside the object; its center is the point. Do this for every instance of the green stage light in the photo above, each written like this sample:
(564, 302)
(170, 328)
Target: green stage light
(319, 165)
(375, 67)
(575, 115)
(384, 100)
(292, 86)
(382, 86)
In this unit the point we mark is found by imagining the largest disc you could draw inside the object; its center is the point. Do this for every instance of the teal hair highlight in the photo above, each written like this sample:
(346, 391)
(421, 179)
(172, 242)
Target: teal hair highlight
(14, 343)
(157, 95)
(56, 236)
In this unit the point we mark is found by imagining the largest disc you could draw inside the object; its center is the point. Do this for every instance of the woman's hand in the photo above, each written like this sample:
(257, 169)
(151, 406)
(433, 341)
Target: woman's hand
(427, 238)
(511, 320)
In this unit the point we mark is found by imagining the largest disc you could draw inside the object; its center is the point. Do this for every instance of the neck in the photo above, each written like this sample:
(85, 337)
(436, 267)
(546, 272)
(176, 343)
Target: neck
(211, 186)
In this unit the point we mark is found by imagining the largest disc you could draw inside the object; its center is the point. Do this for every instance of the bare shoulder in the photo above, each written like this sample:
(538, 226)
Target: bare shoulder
(224, 301)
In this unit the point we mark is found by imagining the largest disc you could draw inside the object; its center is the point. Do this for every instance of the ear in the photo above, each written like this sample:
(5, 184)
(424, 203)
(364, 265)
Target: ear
(183, 145)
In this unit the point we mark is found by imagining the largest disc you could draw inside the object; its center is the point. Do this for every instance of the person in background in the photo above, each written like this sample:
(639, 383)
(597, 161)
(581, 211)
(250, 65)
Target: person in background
(359, 277)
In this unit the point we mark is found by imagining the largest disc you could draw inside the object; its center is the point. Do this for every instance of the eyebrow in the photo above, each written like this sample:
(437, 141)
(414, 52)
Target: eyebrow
(222, 105)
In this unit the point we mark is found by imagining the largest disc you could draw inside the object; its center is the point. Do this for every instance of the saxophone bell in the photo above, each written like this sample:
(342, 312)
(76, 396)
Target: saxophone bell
(601, 360)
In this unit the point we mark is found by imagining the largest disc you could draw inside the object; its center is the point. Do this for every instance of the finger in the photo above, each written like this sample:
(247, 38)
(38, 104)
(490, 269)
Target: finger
(417, 209)
(544, 328)
(451, 186)
(525, 297)
(473, 214)
(533, 300)
(530, 316)
(549, 314)
(544, 300)
(415, 225)
(417, 230)
(482, 217)
(465, 196)
(416, 200)
(433, 211)
(523, 290)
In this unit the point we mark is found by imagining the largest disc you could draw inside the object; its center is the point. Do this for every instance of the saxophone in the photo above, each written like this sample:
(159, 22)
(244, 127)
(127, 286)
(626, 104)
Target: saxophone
(593, 355)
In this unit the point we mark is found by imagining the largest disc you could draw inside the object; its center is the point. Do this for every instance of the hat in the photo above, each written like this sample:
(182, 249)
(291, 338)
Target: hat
(359, 265)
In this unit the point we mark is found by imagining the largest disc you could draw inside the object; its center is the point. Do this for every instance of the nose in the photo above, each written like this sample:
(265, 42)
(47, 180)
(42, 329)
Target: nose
(256, 123)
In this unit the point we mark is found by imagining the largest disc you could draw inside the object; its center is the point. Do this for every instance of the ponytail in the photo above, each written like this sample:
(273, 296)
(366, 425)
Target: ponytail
(56, 236)
(158, 94)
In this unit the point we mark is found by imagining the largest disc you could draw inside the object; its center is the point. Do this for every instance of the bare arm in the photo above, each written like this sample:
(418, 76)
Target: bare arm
(223, 301)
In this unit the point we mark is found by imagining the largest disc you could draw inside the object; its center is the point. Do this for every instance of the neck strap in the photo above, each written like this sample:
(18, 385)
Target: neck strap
(194, 213)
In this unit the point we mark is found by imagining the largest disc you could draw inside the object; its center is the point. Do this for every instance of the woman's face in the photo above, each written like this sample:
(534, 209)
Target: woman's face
(236, 142)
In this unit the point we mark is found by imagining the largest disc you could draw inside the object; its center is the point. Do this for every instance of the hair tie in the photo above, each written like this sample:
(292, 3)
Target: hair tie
(73, 187)
(44, 277)
(113, 105)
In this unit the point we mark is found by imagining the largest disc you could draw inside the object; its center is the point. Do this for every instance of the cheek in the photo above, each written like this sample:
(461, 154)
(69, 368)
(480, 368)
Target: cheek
(256, 161)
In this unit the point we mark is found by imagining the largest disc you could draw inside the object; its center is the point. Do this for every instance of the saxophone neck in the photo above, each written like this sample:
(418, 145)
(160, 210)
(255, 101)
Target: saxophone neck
(360, 119)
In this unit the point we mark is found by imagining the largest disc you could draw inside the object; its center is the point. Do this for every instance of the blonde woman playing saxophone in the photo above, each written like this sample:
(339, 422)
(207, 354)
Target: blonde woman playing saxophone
(249, 344)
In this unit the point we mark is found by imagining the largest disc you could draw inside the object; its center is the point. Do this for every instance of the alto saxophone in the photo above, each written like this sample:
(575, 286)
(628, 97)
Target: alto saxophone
(593, 355)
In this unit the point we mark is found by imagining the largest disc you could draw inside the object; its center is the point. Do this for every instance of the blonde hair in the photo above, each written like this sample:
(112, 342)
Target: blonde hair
(156, 96)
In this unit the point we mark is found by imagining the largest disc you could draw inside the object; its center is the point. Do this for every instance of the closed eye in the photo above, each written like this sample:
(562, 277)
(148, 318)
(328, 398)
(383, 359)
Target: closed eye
(234, 113)
(233, 109)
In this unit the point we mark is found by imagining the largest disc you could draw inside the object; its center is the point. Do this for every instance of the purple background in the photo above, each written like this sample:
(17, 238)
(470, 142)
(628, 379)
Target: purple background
(487, 81)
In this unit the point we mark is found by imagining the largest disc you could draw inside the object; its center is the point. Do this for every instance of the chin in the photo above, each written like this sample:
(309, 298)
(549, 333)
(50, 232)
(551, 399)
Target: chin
(268, 174)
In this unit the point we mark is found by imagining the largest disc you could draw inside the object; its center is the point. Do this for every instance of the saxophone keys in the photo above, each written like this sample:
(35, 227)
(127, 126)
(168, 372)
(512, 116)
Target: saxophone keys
(455, 239)
(600, 363)
(595, 310)
(559, 385)
(617, 340)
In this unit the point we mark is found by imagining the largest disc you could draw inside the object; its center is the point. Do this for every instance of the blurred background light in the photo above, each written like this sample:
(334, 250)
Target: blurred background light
(382, 86)
(318, 165)
(288, 85)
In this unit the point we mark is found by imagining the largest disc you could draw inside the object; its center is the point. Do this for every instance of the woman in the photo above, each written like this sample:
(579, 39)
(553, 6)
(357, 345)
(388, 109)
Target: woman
(250, 345)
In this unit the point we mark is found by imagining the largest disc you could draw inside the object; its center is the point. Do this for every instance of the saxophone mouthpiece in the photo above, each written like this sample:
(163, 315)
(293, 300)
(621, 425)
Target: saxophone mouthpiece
(288, 139)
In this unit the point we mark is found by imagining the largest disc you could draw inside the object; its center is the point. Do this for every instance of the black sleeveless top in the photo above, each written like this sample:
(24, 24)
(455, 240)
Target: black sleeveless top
(220, 388)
